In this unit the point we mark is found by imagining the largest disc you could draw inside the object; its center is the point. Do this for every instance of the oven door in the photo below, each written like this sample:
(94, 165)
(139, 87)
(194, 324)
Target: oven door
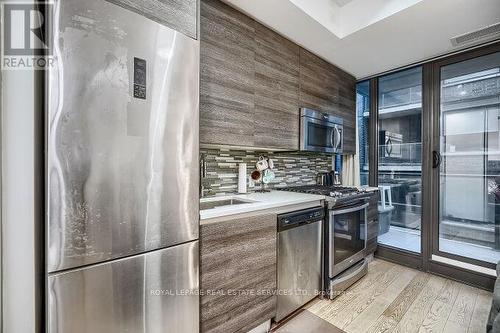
(347, 237)
(317, 135)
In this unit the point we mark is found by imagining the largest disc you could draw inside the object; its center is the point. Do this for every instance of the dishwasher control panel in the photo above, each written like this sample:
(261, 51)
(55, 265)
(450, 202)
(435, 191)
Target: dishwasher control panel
(301, 217)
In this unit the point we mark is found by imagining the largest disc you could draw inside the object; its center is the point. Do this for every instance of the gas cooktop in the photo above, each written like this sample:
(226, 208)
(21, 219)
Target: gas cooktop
(335, 194)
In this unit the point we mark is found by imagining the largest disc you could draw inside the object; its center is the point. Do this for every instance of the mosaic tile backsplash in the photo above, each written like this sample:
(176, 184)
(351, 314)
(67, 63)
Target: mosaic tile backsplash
(290, 168)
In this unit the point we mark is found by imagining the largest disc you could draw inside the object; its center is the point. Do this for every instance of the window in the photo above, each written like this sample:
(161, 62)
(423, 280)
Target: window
(400, 159)
(470, 150)
(363, 120)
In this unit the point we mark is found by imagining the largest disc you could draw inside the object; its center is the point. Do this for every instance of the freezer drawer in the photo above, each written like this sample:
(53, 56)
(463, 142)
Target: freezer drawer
(122, 146)
(153, 292)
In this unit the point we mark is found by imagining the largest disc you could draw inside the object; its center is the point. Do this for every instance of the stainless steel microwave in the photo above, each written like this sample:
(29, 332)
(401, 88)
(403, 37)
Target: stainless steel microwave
(321, 132)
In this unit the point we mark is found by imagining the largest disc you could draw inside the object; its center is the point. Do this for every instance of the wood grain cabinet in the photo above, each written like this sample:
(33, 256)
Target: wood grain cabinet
(238, 273)
(227, 83)
(253, 82)
(276, 90)
(180, 15)
(373, 224)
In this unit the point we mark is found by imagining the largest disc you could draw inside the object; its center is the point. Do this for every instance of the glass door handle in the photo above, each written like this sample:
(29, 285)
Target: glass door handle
(436, 159)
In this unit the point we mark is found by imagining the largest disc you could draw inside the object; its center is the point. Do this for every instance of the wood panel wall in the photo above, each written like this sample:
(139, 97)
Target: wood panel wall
(254, 81)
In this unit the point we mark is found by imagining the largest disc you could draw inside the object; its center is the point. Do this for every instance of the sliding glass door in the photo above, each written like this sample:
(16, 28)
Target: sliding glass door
(400, 159)
(434, 153)
(467, 164)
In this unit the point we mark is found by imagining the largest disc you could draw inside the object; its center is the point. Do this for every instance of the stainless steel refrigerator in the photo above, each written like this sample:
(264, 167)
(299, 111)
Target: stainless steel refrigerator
(122, 173)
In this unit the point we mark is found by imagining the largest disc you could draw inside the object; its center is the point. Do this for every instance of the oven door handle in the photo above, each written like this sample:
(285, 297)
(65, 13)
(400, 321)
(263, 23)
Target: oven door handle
(356, 269)
(350, 210)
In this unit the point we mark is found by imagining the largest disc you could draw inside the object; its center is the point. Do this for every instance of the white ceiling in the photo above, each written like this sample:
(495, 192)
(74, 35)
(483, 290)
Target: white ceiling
(351, 15)
(341, 3)
(367, 37)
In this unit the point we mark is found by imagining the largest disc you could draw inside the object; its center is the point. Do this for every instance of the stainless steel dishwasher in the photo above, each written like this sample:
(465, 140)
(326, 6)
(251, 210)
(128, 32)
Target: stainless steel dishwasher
(299, 259)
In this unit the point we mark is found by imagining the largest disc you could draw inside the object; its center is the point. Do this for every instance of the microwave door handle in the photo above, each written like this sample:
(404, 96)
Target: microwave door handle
(332, 138)
(339, 144)
(337, 138)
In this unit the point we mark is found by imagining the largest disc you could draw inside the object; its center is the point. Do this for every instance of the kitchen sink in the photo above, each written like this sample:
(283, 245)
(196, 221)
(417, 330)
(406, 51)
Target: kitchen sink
(225, 202)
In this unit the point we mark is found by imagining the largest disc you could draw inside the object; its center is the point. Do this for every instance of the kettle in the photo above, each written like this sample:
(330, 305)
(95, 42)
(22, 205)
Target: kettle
(328, 178)
(337, 179)
(324, 179)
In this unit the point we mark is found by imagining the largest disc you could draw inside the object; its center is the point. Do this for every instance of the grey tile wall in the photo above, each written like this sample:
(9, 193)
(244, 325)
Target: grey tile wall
(290, 168)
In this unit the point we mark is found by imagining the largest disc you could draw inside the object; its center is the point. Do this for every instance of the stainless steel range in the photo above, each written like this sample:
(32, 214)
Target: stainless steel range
(344, 234)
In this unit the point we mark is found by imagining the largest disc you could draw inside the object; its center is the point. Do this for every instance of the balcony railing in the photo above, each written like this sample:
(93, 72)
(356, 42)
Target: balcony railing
(400, 97)
(451, 92)
(404, 153)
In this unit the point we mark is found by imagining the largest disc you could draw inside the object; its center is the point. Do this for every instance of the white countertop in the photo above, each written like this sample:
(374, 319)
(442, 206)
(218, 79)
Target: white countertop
(260, 201)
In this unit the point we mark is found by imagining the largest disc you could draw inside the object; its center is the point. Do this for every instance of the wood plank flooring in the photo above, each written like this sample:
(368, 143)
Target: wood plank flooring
(393, 298)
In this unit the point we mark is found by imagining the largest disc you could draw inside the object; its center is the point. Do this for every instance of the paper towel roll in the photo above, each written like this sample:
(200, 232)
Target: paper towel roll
(242, 178)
